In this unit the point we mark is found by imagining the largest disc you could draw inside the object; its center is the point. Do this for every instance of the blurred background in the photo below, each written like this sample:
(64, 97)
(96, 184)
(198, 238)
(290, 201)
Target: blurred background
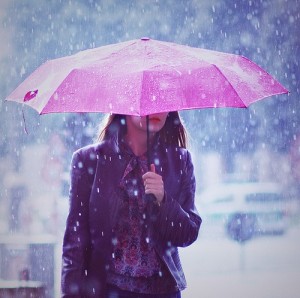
(247, 161)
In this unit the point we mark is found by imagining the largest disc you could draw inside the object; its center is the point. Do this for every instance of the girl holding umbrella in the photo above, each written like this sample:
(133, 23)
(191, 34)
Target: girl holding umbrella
(126, 221)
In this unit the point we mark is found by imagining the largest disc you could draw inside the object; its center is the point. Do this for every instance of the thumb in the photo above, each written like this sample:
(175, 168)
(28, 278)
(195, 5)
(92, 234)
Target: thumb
(152, 168)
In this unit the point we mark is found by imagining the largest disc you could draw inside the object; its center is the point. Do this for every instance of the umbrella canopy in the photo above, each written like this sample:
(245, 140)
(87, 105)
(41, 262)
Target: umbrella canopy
(142, 77)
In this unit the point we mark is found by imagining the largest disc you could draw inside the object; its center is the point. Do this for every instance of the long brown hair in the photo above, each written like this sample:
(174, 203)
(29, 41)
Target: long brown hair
(113, 127)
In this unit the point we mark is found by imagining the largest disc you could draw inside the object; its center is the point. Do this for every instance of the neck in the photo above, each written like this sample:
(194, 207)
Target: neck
(137, 141)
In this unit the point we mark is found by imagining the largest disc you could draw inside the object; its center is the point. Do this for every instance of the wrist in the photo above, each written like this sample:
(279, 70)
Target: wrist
(161, 201)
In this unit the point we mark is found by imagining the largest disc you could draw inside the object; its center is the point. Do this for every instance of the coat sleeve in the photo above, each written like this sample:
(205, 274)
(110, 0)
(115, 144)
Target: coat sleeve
(76, 237)
(178, 221)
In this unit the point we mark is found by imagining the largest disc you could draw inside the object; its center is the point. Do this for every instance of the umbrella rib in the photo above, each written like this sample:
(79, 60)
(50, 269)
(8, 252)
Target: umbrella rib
(234, 90)
(128, 44)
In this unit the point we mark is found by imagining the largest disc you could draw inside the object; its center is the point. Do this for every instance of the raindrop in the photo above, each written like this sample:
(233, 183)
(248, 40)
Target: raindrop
(249, 16)
(22, 71)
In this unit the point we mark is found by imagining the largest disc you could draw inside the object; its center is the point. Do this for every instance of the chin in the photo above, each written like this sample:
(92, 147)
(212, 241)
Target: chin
(155, 126)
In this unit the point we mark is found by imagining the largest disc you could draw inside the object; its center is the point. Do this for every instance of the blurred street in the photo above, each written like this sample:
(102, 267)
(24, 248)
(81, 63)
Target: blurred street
(264, 267)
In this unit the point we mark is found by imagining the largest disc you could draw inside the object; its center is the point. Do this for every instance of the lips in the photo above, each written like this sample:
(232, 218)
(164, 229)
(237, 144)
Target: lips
(154, 119)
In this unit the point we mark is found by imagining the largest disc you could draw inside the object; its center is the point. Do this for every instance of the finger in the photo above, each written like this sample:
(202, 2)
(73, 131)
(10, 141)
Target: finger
(153, 182)
(149, 175)
(152, 168)
(154, 186)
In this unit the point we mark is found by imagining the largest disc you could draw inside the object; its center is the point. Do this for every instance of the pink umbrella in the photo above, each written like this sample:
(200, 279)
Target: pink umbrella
(142, 77)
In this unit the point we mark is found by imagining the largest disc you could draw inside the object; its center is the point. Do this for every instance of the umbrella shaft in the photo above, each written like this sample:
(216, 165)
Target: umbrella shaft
(148, 142)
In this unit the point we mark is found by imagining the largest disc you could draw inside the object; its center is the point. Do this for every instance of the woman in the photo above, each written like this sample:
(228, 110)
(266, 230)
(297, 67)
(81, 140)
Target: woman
(126, 220)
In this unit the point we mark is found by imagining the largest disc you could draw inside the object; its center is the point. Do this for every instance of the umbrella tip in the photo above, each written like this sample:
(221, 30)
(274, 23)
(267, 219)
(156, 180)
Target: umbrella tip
(145, 38)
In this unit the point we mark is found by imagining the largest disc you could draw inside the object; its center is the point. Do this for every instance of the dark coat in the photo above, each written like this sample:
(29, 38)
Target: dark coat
(94, 195)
